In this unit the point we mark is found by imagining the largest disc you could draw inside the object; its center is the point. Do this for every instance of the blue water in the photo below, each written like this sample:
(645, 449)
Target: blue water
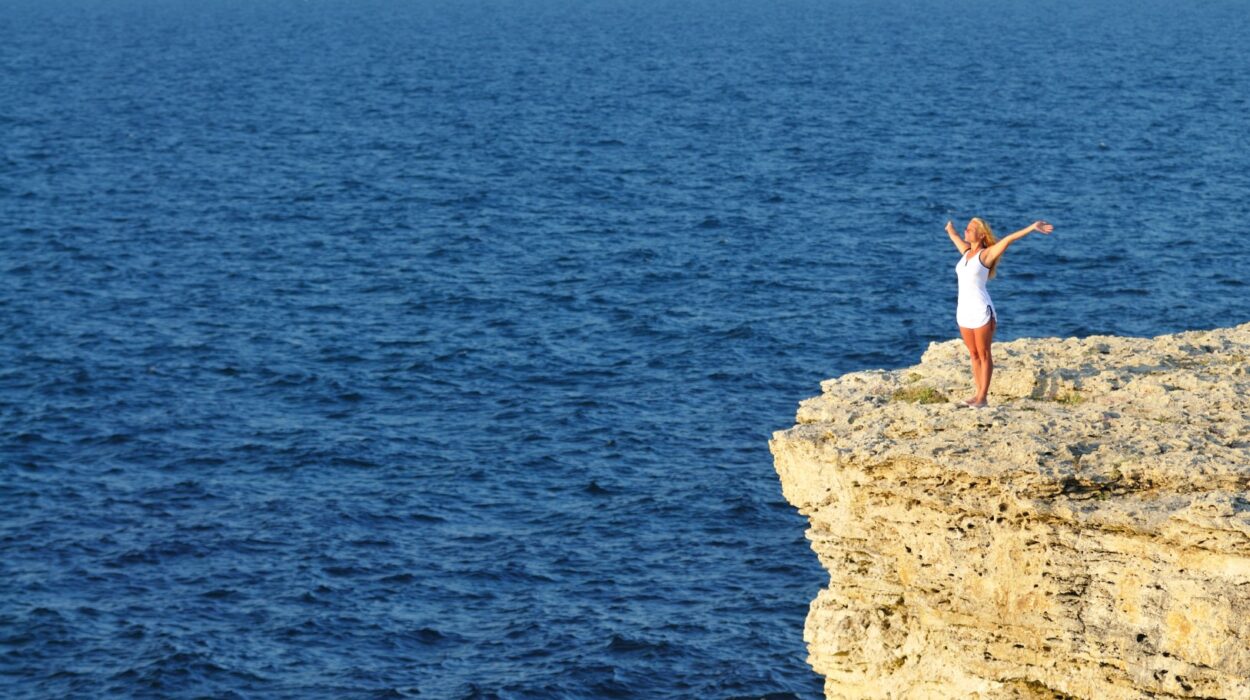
(431, 348)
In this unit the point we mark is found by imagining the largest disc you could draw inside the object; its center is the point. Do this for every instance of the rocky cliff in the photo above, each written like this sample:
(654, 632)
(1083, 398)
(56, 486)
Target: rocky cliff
(1085, 536)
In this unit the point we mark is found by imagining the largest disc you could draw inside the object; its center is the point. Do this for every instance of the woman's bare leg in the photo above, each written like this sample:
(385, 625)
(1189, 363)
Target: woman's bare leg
(969, 336)
(982, 338)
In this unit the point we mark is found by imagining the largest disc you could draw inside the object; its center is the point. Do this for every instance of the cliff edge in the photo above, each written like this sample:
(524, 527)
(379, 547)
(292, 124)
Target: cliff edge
(1085, 536)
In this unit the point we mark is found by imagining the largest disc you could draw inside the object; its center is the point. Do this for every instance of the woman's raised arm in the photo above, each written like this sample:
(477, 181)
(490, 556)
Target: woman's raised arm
(996, 251)
(950, 231)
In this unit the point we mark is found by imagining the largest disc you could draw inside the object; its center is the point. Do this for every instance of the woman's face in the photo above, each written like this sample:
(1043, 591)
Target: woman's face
(972, 233)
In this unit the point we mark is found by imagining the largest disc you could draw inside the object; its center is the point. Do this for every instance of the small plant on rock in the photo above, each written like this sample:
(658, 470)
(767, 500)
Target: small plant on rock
(919, 394)
(1071, 398)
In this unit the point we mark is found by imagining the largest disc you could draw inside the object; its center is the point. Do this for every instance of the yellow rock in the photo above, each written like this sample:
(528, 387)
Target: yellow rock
(1086, 536)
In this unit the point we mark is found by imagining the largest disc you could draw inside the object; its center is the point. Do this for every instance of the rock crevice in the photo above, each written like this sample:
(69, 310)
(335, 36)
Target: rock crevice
(1085, 536)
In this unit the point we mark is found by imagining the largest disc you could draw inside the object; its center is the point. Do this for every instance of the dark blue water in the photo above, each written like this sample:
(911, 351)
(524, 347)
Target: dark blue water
(397, 349)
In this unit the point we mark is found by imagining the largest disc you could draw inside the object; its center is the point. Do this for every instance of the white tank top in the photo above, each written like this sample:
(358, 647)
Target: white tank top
(974, 308)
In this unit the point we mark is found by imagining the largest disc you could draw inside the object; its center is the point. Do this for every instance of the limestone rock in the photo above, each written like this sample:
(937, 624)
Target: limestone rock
(1085, 536)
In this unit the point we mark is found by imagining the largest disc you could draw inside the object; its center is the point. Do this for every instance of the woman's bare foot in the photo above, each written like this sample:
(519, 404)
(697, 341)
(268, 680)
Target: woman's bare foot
(979, 404)
(970, 401)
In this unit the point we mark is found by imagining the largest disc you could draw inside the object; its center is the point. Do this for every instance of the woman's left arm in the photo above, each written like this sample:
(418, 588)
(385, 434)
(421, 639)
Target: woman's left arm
(996, 251)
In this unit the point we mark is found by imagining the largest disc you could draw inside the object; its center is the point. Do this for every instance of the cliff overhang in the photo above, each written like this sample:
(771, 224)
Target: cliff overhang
(1087, 535)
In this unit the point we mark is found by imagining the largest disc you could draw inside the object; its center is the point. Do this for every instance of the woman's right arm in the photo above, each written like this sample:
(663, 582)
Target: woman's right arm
(950, 231)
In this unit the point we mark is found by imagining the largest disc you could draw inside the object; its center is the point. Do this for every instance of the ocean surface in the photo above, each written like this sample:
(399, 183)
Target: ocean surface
(431, 348)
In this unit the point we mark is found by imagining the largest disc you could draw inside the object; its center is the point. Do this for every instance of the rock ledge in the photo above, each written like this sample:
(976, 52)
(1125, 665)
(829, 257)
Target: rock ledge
(1086, 536)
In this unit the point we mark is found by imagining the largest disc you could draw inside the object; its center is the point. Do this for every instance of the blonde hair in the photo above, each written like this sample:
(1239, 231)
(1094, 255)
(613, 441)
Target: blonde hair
(989, 241)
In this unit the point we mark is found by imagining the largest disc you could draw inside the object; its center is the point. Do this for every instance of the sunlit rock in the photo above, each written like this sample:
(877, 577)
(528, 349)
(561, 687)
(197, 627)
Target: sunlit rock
(1087, 535)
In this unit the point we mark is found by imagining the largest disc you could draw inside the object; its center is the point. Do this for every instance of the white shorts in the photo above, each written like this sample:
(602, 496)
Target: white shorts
(975, 318)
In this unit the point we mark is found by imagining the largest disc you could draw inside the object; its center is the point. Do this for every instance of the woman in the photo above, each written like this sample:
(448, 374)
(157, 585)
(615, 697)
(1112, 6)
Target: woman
(975, 312)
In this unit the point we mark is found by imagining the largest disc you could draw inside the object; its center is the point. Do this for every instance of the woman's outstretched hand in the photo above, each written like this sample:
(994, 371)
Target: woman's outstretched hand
(1043, 227)
(950, 228)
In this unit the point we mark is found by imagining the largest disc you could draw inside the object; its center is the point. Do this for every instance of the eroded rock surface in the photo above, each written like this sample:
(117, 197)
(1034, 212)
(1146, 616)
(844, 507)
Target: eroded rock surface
(1085, 536)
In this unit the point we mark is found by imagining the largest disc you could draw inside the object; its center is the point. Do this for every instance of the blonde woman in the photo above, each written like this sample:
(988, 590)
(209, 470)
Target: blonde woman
(975, 312)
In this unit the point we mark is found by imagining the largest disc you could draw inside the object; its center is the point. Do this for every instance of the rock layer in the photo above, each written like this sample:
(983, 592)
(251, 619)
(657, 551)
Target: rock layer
(1087, 535)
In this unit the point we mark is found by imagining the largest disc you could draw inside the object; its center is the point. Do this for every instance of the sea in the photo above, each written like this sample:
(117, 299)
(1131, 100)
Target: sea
(431, 348)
